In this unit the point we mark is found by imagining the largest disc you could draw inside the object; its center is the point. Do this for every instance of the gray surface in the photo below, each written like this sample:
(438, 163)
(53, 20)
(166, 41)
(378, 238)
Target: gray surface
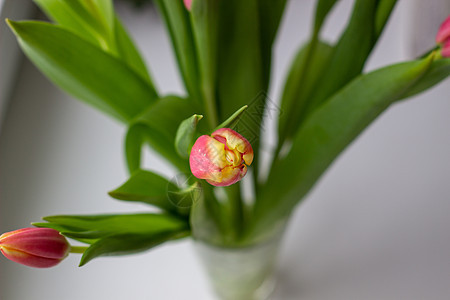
(375, 227)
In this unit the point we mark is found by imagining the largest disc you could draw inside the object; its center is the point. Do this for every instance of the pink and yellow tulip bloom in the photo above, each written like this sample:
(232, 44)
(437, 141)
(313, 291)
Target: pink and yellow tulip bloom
(443, 37)
(34, 247)
(221, 158)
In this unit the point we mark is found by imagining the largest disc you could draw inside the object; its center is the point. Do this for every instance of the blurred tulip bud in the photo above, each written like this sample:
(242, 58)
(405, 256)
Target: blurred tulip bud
(443, 37)
(188, 4)
(34, 247)
(221, 158)
(446, 49)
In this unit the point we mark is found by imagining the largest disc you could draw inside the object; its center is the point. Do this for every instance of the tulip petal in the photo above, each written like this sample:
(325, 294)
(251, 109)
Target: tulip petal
(43, 242)
(29, 259)
(7, 234)
(236, 141)
(230, 175)
(446, 49)
(207, 158)
(220, 158)
(188, 4)
(444, 32)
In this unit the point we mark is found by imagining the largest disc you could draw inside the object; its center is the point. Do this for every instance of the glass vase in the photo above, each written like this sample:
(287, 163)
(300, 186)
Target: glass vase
(241, 273)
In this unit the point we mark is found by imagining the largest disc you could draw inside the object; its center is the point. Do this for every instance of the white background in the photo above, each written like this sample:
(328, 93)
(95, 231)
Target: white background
(375, 227)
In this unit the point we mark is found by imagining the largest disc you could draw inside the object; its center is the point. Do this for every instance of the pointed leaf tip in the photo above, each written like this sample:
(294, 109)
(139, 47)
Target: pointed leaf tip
(185, 135)
(232, 121)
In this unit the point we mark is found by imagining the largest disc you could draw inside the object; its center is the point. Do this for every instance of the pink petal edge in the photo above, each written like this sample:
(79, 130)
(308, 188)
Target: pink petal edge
(444, 31)
(188, 4)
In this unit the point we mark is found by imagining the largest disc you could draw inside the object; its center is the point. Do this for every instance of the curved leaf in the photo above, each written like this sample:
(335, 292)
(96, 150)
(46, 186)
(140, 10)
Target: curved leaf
(323, 7)
(83, 70)
(125, 244)
(158, 126)
(118, 234)
(352, 50)
(439, 70)
(97, 23)
(299, 86)
(108, 224)
(205, 21)
(185, 135)
(147, 187)
(326, 133)
(383, 12)
(233, 120)
(270, 14)
(129, 53)
(179, 26)
(91, 228)
(61, 13)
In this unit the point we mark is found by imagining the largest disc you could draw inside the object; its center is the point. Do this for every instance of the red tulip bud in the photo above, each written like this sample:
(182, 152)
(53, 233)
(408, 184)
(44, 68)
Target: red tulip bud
(443, 37)
(34, 247)
(221, 158)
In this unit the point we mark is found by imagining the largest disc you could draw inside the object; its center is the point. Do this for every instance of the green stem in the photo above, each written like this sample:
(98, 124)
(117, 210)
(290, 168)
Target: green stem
(78, 249)
(214, 207)
(236, 210)
(210, 103)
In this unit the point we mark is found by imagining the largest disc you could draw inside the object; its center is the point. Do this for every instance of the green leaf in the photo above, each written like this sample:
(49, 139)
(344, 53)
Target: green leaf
(439, 70)
(129, 53)
(107, 224)
(100, 19)
(158, 126)
(300, 83)
(383, 12)
(309, 65)
(351, 51)
(61, 13)
(207, 218)
(270, 14)
(326, 133)
(242, 78)
(233, 120)
(83, 70)
(134, 142)
(179, 26)
(58, 227)
(240, 65)
(68, 232)
(118, 234)
(104, 10)
(147, 187)
(323, 7)
(204, 19)
(90, 229)
(125, 244)
(95, 21)
(185, 135)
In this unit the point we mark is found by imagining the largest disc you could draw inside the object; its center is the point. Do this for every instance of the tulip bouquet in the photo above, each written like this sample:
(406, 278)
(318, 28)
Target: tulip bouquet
(211, 135)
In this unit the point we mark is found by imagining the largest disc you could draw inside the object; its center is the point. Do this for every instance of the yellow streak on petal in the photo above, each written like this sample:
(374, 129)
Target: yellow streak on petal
(15, 252)
(243, 170)
(248, 158)
(6, 234)
(229, 173)
(217, 154)
(216, 176)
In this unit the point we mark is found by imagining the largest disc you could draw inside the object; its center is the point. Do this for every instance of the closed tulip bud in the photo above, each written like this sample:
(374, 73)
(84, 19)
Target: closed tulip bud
(188, 4)
(221, 158)
(443, 37)
(34, 247)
